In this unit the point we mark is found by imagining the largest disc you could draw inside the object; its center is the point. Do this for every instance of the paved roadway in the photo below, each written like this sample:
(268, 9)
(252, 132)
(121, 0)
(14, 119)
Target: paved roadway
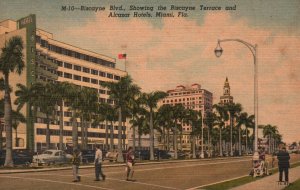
(182, 175)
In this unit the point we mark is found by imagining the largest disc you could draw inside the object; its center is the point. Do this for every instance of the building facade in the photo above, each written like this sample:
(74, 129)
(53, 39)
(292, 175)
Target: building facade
(226, 98)
(49, 60)
(191, 97)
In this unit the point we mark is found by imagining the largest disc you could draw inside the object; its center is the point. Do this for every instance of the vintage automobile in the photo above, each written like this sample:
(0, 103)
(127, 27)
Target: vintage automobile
(111, 156)
(52, 157)
(20, 157)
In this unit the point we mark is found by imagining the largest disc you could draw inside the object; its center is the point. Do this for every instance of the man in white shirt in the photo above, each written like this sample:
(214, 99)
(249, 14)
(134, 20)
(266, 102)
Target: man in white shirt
(98, 164)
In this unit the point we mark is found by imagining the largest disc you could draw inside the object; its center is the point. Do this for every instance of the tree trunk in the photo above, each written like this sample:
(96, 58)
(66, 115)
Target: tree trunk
(246, 141)
(1, 137)
(240, 146)
(231, 123)
(124, 134)
(151, 136)
(17, 142)
(61, 126)
(221, 152)
(86, 131)
(111, 136)
(175, 141)
(74, 131)
(180, 138)
(193, 146)
(48, 132)
(82, 132)
(168, 139)
(120, 155)
(106, 135)
(133, 138)
(8, 124)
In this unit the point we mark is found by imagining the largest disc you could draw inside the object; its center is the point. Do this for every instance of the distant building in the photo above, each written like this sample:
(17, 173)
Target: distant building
(226, 98)
(192, 97)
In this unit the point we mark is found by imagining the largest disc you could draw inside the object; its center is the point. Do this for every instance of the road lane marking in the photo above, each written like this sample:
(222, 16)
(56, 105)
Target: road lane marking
(142, 183)
(113, 179)
(46, 180)
(193, 188)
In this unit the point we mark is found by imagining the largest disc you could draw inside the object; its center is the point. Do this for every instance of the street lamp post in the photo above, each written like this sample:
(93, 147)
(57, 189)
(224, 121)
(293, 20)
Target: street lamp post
(253, 49)
(202, 141)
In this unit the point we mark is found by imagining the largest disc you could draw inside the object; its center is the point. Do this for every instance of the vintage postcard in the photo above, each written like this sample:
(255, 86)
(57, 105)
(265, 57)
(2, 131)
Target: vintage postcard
(183, 94)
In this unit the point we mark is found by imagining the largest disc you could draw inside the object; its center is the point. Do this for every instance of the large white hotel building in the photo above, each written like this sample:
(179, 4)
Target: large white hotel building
(48, 60)
(192, 97)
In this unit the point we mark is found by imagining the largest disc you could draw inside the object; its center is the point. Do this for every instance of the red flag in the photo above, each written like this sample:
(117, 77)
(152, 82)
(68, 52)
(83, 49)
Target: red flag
(122, 56)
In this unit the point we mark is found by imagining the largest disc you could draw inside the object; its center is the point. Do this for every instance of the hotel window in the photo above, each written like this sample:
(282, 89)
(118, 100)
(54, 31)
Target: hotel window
(102, 100)
(86, 70)
(76, 77)
(110, 101)
(108, 92)
(94, 81)
(77, 68)
(68, 75)
(94, 72)
(85, 79)
(117, 77)
(67, 65)
(67, 114)
(101, 91)
(109, 76)
(59, 63)
(102, 74)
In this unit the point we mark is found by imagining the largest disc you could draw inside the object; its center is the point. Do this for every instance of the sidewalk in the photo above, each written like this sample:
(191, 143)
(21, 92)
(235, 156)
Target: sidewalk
(270, 182)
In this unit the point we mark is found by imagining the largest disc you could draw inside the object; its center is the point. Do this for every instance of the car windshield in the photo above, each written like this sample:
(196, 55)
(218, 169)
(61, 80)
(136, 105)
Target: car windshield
(47, 152)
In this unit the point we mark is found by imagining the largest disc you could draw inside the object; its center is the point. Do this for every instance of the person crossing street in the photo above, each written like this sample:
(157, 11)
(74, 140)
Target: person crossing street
(98, 164)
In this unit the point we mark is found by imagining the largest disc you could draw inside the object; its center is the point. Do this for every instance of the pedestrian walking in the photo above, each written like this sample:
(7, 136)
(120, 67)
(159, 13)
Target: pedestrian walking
(98, 164)
(129, 164)
(76, 160)
(283, 164)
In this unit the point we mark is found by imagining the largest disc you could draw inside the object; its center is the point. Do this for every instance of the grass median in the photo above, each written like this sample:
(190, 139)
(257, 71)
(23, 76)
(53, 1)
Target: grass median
(247, 179)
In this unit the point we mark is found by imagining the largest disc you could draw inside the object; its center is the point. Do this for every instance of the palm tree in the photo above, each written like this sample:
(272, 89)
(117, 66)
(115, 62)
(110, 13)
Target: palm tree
(17, 117)
(121, 92)
(165, 118)
(193, 119)
(61, 96)
(104, 112)
(46, 102)
(210, 122)
(248, 122)
(233, 109)
(221, 117)
(269, 131)
(137, 111)
(87, 106)
(28, 95)
(150, 100)
(73, 97)
(11, 60)
(178, 115)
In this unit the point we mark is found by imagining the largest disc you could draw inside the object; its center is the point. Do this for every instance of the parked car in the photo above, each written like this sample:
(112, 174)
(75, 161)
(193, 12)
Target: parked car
(88, 156)
(20, 157)
(111, 155)
(180, 154)
(162, 154)
(52, 157)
